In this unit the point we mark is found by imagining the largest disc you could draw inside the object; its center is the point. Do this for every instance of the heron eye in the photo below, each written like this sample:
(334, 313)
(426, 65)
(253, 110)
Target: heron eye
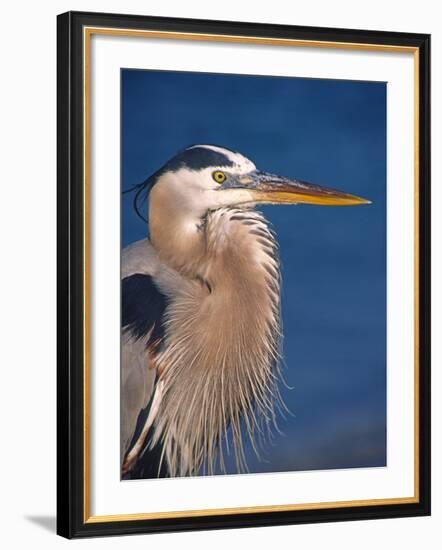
(219, 176)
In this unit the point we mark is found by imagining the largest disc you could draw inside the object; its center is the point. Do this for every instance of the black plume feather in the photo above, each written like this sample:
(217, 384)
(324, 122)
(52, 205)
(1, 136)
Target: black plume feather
(142, 191)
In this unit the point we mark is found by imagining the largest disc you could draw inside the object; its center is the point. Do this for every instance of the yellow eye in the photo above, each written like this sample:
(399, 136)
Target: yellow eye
(219, 176)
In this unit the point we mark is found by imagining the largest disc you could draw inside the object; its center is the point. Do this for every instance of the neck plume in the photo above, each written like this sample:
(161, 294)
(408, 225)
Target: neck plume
(219, 364)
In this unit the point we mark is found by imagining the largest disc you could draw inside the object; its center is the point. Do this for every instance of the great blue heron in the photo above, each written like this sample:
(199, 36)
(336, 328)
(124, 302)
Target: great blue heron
(201, 311)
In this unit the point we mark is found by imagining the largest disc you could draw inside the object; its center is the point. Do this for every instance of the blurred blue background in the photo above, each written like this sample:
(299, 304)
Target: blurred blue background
(328, 132)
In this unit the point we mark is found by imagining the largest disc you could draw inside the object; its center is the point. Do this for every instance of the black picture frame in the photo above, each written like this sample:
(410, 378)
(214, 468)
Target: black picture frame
(71, 518)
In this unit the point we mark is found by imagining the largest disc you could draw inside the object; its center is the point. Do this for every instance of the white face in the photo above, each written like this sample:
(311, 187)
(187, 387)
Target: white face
(197, 191)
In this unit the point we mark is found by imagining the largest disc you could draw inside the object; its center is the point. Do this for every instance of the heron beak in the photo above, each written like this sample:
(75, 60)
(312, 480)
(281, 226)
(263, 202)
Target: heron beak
(272, 189)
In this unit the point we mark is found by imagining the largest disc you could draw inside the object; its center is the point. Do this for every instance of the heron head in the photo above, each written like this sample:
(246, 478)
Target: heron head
(207, 177)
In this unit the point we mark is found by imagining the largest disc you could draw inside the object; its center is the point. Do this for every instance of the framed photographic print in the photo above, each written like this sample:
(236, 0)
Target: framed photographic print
(243, 274)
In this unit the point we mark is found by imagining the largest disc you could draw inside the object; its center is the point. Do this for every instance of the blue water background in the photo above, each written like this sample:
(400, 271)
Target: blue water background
(328, 132)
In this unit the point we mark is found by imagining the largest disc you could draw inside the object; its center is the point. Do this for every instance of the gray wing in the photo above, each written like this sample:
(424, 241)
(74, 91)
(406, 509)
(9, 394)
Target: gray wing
(142, 308)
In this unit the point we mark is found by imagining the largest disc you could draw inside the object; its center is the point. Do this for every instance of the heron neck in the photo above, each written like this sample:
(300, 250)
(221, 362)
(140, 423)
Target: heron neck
(178, 237)
(240, 252)
(223, 342)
